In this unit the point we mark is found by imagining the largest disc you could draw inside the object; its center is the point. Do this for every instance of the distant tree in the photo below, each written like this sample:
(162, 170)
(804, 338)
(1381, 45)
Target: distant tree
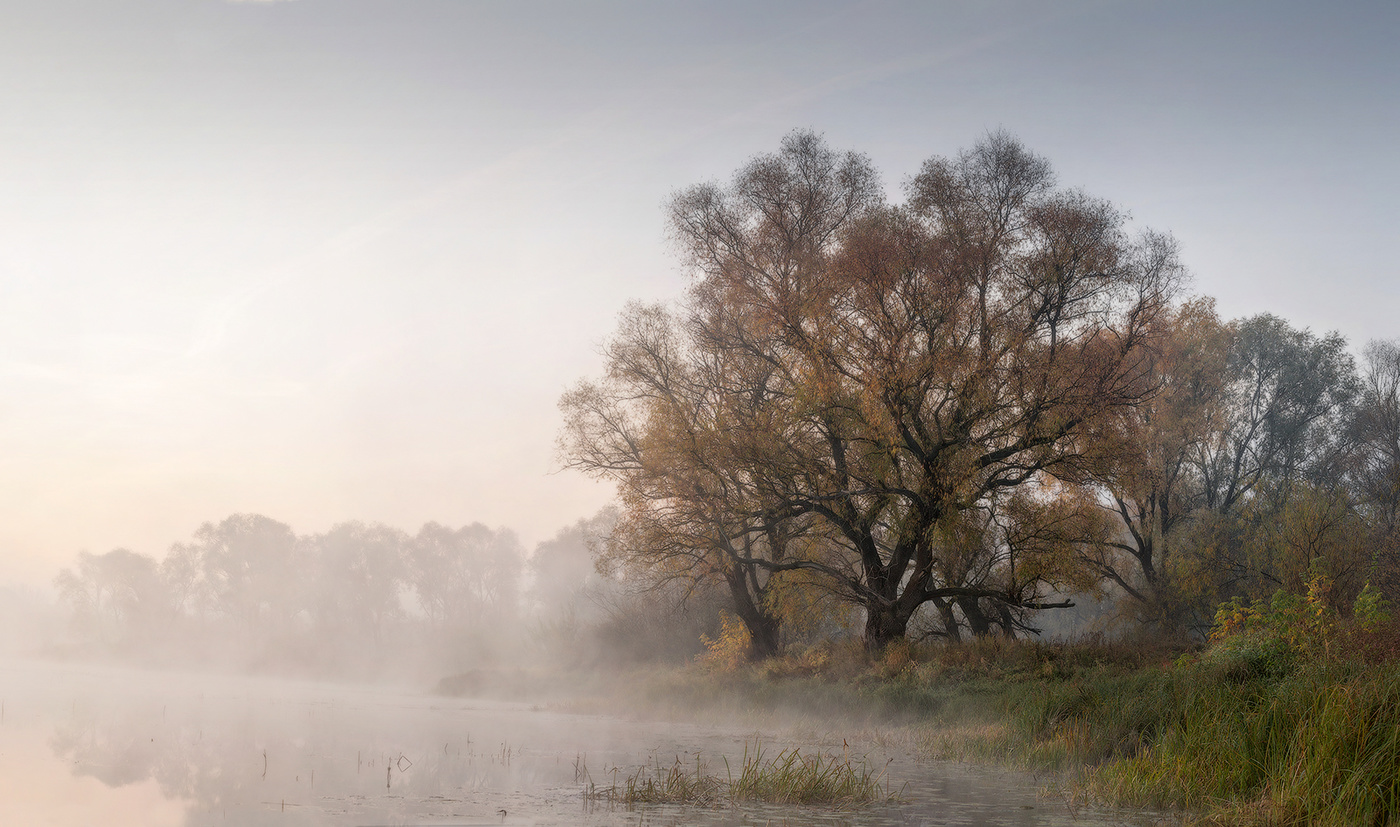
(359, 572)
(116, 598)
(1222, 479)
(1287, 399)
(248, 571)
(182, 573)
(563, 574)
(1146, 479)
(1276, 448)
(1376, 431)
(466, 577)
(1375, 460)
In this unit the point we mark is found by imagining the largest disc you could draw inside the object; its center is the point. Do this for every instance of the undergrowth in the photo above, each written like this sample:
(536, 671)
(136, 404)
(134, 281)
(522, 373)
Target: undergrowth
(1290, 716)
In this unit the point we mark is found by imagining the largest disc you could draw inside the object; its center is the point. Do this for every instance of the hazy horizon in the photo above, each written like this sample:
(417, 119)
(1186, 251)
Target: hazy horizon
(330, 260)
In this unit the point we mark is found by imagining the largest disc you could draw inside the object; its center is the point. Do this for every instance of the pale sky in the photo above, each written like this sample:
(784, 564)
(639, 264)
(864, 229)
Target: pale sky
(337, 259)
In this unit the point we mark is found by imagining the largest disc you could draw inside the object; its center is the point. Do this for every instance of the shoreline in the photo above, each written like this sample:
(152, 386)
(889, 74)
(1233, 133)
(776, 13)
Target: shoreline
(1217, 736)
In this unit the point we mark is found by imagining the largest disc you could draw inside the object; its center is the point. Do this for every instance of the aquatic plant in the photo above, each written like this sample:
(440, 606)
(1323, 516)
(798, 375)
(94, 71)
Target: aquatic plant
(675, 784)
(790, 777)
(815, 778)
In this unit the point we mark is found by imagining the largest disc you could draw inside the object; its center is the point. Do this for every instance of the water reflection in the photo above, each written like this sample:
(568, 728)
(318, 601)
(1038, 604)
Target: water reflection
(237, 750)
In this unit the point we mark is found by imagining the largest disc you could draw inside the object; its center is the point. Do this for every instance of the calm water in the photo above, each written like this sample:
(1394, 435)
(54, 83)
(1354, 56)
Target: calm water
(90, 745)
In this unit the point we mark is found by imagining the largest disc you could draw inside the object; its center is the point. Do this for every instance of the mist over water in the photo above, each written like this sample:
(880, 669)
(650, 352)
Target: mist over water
(110, 745)
(372, 676)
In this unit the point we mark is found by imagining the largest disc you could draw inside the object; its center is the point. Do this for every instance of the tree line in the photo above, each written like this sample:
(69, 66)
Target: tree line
(248, 592)
(365, 600)
(949, 415)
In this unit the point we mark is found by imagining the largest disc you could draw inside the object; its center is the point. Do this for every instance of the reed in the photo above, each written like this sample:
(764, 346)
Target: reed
(790, 777)
(1317, 745)
(674, 784)
(815, 778)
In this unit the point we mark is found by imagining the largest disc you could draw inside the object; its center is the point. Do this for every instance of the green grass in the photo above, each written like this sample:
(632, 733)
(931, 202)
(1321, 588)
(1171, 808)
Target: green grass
(1320, 747)
(1313, 742)
(1232, 735)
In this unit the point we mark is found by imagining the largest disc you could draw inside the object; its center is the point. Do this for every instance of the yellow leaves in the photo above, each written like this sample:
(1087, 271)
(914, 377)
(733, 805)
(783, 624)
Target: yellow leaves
(1232, 618)
(804, 607)
(730, 650)
(1304, 623)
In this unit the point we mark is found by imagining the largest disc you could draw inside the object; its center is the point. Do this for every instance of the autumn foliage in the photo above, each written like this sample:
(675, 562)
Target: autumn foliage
(953, 412)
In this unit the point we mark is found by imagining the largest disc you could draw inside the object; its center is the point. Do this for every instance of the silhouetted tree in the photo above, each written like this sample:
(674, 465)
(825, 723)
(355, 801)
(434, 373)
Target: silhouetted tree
(467, 581)
(359, 573)
(117, 598)
(249, 569)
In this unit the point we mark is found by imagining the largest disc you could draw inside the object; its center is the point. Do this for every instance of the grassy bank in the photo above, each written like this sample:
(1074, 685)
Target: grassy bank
(1253, 732)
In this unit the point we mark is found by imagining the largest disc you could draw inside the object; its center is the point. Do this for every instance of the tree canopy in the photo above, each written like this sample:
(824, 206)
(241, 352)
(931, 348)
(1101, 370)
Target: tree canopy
(890, 391)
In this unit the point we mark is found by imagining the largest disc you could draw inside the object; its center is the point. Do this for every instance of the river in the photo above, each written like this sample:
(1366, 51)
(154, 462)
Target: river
(87, 745)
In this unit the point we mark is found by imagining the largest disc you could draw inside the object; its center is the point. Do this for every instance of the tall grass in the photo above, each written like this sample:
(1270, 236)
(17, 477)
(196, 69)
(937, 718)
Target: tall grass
(673, 785)
(1320, 747)
(1246, 733)
(1245, 741)
(815, 778)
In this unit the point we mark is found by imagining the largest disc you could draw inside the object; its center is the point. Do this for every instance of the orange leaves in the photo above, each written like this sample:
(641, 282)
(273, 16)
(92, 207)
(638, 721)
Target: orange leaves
(884, 383)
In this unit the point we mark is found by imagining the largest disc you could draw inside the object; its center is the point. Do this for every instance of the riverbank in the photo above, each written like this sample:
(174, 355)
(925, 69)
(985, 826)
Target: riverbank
(1239, 734)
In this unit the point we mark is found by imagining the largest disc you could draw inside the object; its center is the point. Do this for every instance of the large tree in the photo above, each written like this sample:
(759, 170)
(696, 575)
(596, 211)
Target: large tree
(895, 376)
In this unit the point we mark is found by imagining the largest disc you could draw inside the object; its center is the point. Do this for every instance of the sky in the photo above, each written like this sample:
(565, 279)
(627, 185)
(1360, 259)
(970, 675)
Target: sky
(328, 260)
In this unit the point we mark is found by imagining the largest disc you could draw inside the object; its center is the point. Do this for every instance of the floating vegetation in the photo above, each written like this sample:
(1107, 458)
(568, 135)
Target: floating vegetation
(790, 777)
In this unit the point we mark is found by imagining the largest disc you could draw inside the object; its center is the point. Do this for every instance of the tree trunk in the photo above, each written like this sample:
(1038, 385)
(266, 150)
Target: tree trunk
(977, 619)
(1006, 621)
(884, 626)
(951, 629)
(764, 636)
(765, 630)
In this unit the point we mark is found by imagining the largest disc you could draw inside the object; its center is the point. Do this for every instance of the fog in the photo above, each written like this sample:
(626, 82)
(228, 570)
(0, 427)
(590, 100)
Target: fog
(253, 671)
(310, 310)
(87, 744)
(361, 601)
(331, 260)
(371, 674)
